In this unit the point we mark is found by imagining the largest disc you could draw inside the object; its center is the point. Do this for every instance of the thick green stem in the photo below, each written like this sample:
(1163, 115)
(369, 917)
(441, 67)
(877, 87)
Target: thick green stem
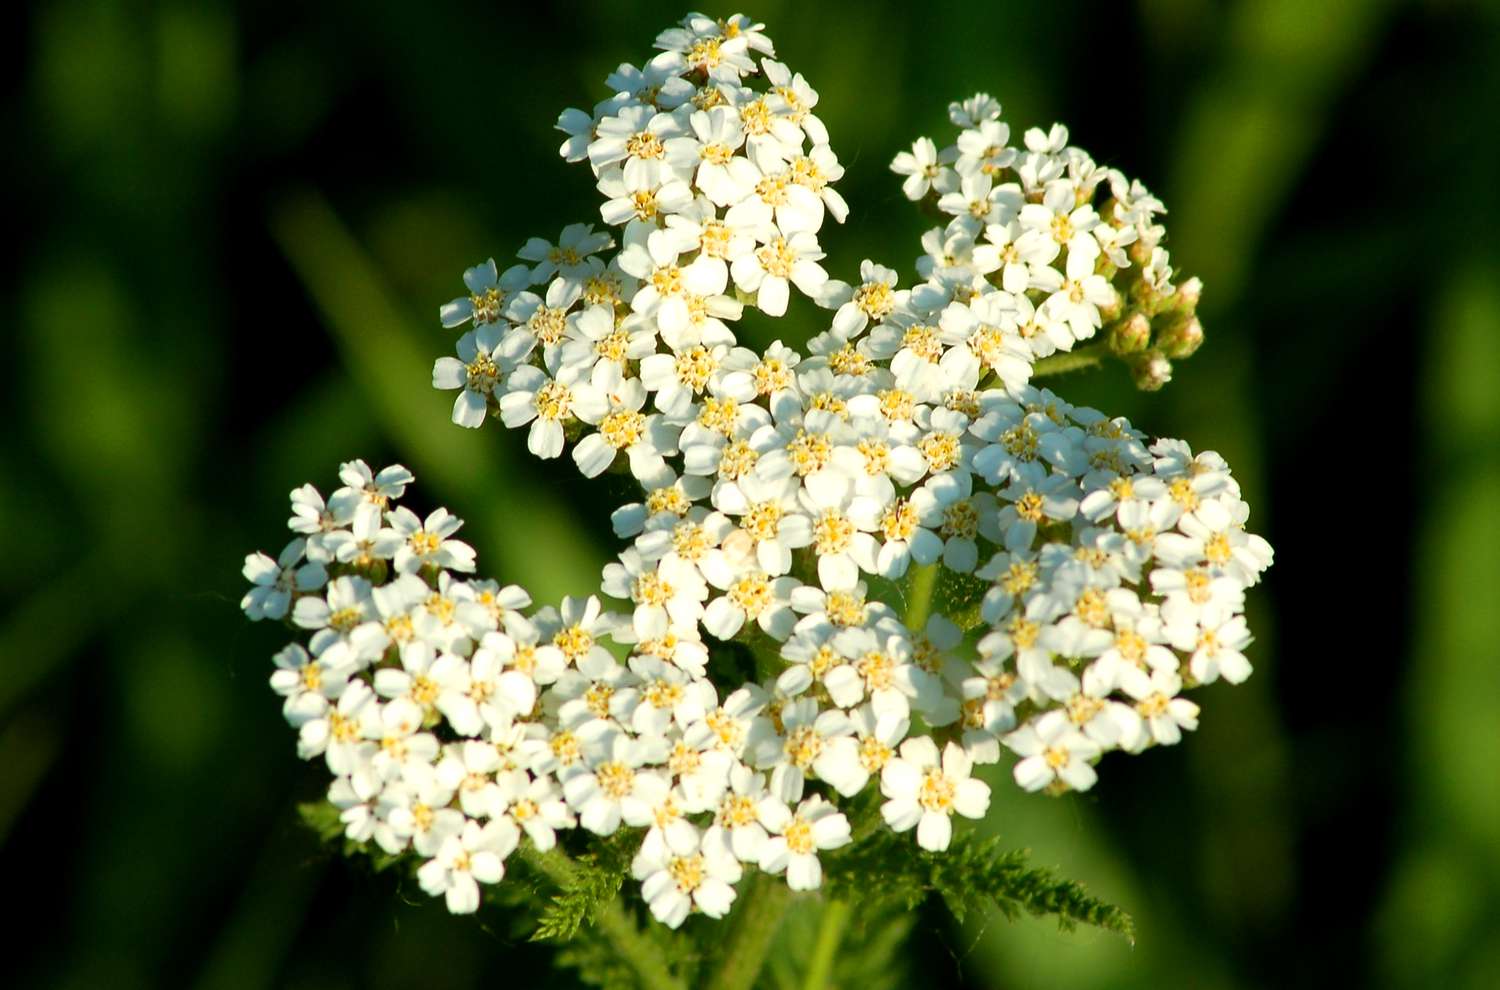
(1065, 361)
(756, 921)
(830, 935)
(919, 596)
(640, 953)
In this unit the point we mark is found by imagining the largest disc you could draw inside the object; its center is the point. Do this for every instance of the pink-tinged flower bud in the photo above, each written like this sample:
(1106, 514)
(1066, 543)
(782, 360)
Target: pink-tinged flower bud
(1182, 338)
(1151, 371)
(1131, 336)
(1188, 294)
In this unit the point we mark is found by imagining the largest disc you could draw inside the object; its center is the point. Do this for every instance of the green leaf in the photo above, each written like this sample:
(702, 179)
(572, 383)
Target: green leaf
(323, 818)
(592, 883)
(973, 872)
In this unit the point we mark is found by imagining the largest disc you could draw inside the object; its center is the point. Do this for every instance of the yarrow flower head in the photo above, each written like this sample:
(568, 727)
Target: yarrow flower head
(798, 509)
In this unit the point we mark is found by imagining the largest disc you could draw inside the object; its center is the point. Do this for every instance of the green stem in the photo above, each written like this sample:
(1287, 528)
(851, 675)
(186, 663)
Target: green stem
(919, 596)
(761, 908)
(830, 935)
(640, 953)
(1065, 361)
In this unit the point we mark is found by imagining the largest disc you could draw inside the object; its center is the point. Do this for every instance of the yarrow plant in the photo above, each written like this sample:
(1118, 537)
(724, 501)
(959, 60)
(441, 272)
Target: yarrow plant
(856, 572)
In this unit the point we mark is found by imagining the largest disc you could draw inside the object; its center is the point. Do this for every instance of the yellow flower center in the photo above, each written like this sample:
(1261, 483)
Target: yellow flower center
(961, 520)
(622, 428)
(832, 532)
(553, 400)
(574, 642)
(937, 791)
(737, 460)
(803, 746)
(940, 449)
(762, 521)
(644, 144)
(875, 300)
(615, 779)
(751, 593)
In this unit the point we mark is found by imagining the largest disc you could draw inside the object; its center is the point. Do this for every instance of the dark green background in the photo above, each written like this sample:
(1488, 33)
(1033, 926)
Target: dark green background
(234, 224)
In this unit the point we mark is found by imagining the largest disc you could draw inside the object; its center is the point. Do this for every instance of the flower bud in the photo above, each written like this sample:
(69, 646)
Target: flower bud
(1187, 295)
(1145, 297)
(1110, 311)
(1130, 336)
(1181, 338)
(1151, 370)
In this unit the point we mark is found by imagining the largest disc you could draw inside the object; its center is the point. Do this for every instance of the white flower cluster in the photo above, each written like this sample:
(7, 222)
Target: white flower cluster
(1084, 578)
(1024, 222)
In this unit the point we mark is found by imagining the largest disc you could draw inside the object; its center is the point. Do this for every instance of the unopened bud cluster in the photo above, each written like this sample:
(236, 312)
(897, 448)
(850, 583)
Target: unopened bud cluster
(1024, 221)
(931, 559)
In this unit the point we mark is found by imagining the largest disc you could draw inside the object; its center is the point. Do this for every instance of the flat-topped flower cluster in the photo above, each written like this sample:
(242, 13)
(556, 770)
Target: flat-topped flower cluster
(1062, 580)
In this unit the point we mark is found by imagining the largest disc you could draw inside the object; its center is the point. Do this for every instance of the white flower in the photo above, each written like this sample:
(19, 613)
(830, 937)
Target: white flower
(489, 291)
(923, 169)
(536, 805)
(730, 726)
(492, 696)
(611, 788)
(569, 256)
(848, 762)
(780, 260)
(883, 671)
(581, 626)
(477, 370)
(980, 202)
(709, 155)
(657, 84)
(427, 541)
(952, 520)
(531, 397)
(666, 696)
(700, 44)
(974, 111)
(923, 794)
(667, 288)
(673, 883)
(1163, 715)
(275, 581)
(424, 676)
(984, 147)
(363, 486)
(736, 828)
(541, 320)
(308, 684)
(366, 541)
(465, 861)
(401, 746)
(874, 299)
(1076, 302)
(346, 630)
(468, 769)
(595, 337)
(635, 136)
(842, 548)
(1215, 648)
(622, 427)
(805, 732)
(798, 836)
(416, 810)
(316, 520)
(1053, 750)
(751, 594)
(636, 201)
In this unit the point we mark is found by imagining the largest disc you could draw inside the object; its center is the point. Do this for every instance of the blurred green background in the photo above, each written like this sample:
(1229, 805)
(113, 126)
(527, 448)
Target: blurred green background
(235, 224)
